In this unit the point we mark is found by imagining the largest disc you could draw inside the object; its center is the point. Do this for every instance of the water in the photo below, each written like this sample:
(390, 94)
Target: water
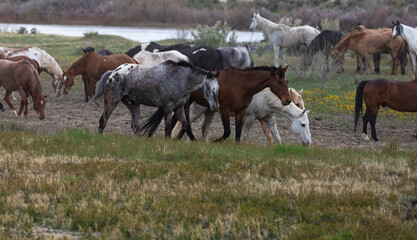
(139, 34)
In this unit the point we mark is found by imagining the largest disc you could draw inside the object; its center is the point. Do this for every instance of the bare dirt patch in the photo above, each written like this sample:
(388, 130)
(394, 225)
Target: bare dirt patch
(71, 112)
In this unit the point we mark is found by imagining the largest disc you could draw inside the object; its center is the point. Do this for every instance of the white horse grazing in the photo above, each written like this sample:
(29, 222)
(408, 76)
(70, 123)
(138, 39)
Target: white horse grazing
(283, 36)
(148, 59)
(45, 61)
(409, 34)
(263, 107)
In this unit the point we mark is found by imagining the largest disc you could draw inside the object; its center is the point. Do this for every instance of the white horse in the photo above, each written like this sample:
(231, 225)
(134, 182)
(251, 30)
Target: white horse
(283, 36)
(409, 34)
(148, 59)
(263, 107)
(45, 61)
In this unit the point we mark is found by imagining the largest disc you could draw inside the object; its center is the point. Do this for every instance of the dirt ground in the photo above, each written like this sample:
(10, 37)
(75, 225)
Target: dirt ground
(70, 111)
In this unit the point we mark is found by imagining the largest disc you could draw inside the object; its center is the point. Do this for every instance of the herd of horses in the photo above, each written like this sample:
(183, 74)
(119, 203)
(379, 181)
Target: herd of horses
(184, 81)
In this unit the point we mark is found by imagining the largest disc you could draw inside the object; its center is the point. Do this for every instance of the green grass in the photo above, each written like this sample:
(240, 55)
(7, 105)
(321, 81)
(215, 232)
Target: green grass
(117, 187)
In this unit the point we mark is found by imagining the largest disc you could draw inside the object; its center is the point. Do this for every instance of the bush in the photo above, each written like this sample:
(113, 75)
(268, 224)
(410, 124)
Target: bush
(90, 34)
(214, 36)
(33, 31)
(22, 30)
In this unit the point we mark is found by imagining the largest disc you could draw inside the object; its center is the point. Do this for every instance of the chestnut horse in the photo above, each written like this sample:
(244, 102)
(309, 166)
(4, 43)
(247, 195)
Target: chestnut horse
(365, 43)
(400, 96)
(92, 66)
(21, 76)
(237, 87)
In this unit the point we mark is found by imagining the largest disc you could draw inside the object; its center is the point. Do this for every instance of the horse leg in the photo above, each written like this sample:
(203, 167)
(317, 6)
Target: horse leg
(372, 121)
(23, 101)
(377, 60)
(413, 60)
(276, 55)
(167, 120)
(395, 61)
(358, 64)
(272, 125)
(225, 115)
(135, 115)
(7, 100)
(366, 56)
(205, 129)
(365, 124)
(185, 126)
(109, 106)
(85, 88)
(247, 126)
(239, 122)
(266, 130)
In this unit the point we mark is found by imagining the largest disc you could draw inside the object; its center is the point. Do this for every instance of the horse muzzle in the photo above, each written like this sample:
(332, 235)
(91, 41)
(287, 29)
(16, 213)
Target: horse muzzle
(214, 107)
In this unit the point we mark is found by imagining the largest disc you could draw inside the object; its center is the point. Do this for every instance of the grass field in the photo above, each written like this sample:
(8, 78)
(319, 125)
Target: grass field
(78, 184)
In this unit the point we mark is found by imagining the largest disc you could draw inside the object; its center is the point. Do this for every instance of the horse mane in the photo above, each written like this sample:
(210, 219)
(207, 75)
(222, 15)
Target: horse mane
(346, 41)
(189, 65)
(272, 70)
(82, 61)
(273, 99)
(50, 62)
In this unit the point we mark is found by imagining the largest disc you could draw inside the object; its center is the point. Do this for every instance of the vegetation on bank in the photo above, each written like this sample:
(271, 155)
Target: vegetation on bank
(189, 13)
(81, 184)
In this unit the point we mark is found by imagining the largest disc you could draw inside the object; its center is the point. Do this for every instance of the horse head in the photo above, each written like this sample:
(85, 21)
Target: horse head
(300, 126)
(340, 55)
(254, 23)
(278, 84)
(68, 81)
(397, 29)
(39, 104)
(211, 91)
(88, 49)
(296, 98)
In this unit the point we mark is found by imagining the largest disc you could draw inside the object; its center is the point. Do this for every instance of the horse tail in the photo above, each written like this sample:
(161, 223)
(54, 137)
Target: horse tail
(153, 122)
(221, 61)
(359, 101)
(100, 89)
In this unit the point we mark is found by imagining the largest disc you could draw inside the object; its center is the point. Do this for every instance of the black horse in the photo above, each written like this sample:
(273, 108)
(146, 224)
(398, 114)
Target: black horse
(204, 57)
(103, 52)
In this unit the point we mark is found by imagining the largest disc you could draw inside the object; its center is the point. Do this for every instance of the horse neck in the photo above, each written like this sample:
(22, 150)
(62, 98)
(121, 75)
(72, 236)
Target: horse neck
(256, 81)
(291, 111)
(78, 67)
(49, 65)
(267, 25)
(409, 34)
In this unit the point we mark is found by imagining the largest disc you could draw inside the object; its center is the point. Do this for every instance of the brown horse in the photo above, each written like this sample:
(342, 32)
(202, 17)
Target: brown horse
(92, 66)
(400, 96)
(21, 76)
(237, 87)
(369, 42)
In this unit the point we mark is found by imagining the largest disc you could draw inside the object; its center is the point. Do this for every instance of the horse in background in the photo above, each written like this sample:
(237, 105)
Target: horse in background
(283, 36)
(152, 46)
(93, 65)
(166, 86)
(409, 34)
(365, 43)
(21, 76)
(237, 87)
(238, 57)
(402, 54)
(399, 96)
(148, 59)
(322, 43)
(45, 61)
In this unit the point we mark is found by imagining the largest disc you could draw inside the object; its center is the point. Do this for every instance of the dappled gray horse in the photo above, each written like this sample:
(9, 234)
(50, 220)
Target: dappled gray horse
(167, 86)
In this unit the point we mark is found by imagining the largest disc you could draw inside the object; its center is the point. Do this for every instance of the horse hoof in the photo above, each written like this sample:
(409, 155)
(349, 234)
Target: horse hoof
(365, 137)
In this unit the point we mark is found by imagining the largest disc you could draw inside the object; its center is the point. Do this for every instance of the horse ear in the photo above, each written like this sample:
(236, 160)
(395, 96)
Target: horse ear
(301, 91)
(398, 22)
(217, 74)
(83, 50)
(393, 23)
(308, 111)
(45, 96)
(285, 68)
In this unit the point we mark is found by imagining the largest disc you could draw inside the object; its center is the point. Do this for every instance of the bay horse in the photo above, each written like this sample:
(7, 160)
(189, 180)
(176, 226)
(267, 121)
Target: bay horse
(409, 34)
(365, 43)
(263, 108)
(237, 88)
(92, 66)
(238, 57)
(399, 96)
(166, 86)
(283, 36)
(45, 61)
(21, 76)
(103, 52)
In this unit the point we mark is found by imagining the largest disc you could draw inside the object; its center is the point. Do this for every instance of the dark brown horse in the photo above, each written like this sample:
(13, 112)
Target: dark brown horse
(92, 66)
(22, 77)
(400, 96)
(237, 87)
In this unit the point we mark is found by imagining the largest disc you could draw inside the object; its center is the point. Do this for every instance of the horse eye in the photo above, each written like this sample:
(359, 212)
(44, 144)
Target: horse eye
(297, 104)
(303, 124)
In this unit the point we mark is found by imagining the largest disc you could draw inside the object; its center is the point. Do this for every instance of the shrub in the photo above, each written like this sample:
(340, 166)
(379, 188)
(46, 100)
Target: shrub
(33, 31)
(22, 30)
(90, 34)
(214, 36)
